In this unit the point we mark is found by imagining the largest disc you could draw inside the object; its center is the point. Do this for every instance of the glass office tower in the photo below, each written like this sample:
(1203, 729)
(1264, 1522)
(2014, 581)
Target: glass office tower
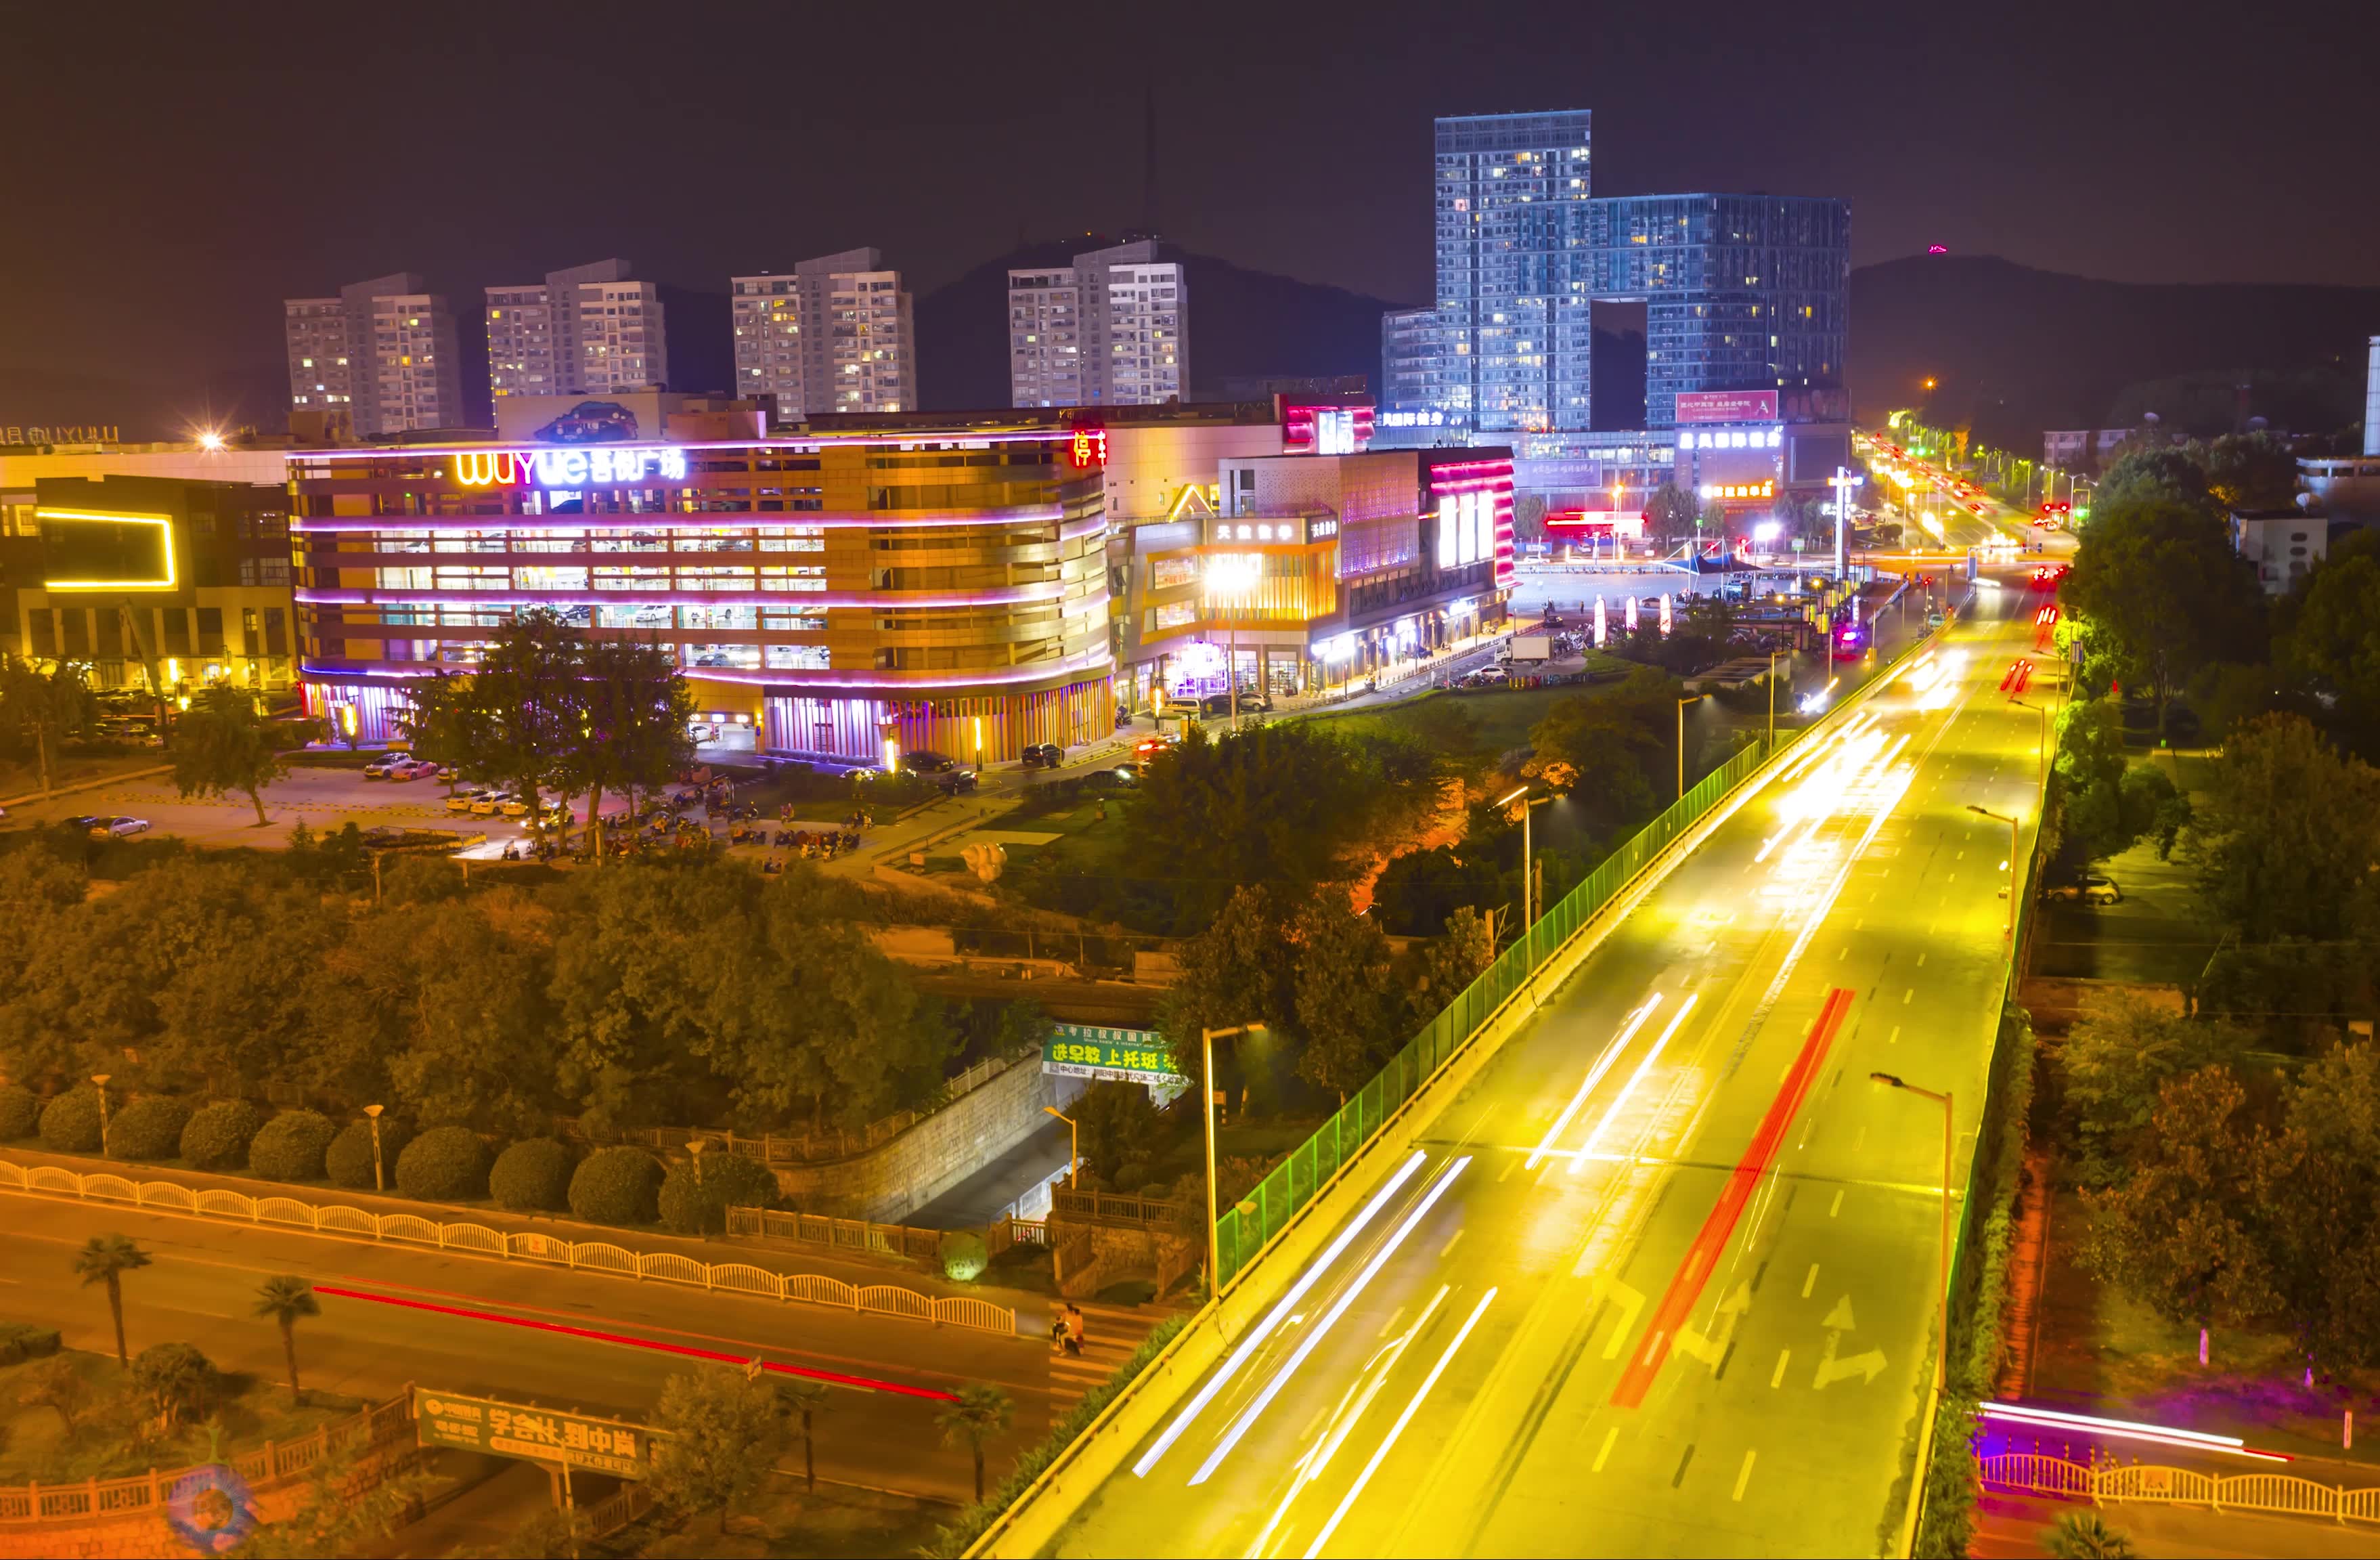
(1742, 292)
(1512, 267)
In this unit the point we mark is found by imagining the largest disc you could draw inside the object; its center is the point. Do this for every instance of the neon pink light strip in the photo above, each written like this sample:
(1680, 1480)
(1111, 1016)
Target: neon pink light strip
(1005, 595)
(672, 524)
(1070, 666)
(791, 445)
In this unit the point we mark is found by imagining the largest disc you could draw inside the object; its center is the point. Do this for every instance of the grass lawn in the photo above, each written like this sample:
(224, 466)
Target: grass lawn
(835, 1522)
(1504, 715)
(2100, 1353)
(34, 1444)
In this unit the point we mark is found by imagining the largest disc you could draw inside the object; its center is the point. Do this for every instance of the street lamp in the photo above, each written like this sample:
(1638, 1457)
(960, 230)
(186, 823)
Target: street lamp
(100, 1081)
(1942, 1358)
(2043, 711)
(1528, 854)
(1772, 702)
(1207, 1039)
(379, 1181)
(1696, 698)
(2009, 930)
(1073, 1148)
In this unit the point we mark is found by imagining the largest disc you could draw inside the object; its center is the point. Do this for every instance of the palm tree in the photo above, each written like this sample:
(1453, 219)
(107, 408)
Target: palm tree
(979, 1413)
(2081, 1535)
(805, 1398)
(106, 1258)
(283, 1300)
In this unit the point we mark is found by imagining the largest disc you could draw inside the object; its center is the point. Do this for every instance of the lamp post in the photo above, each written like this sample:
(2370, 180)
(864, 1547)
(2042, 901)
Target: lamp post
(1772, 703)
(1207, 1039)
(2043, 711)
(1697, 698)
(1528, 877)
(379, 1181)
(2009, 929)
(1073, 1148)
(100, 1081)
(1942, 1355)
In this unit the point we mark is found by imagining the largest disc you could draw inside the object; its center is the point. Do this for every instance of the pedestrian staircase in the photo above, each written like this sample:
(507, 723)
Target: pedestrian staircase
(1110, 1334)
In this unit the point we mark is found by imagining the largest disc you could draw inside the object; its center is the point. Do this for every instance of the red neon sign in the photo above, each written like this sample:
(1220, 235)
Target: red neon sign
(1089, 449)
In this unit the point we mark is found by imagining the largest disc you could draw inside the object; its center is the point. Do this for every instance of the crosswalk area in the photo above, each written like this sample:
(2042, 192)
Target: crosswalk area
(1110, 1334)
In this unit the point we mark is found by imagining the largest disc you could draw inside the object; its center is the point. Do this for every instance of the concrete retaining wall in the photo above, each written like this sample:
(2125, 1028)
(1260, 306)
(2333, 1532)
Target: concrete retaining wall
(895, 1178)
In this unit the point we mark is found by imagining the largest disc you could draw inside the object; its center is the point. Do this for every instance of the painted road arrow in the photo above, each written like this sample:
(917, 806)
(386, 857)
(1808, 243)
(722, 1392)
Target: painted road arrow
(1710, 1351)
(1631, 1301)
(1831, 1369)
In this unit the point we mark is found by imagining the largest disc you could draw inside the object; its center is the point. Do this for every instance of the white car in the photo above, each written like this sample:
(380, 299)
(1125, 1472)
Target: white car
(461, 801)
(118, 828)
(487, 803)
(380, 769)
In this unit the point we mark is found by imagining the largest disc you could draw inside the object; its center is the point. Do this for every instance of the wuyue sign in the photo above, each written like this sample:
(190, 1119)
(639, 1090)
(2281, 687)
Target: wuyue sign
(520, 1430)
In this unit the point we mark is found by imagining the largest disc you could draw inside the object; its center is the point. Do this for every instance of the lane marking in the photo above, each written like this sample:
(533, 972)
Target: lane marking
(1680, 1477)
(1394, 1316)
(1894, 1038)
(1450, 1243)
(1595, 1076)
(1907, 994)
(1858, 1143)
(1921, 961)
(1777, 1377)
(1686, 1288)
(1743, 1475)
(1609, 1437)
(1837, 1206)
(1811, 1282)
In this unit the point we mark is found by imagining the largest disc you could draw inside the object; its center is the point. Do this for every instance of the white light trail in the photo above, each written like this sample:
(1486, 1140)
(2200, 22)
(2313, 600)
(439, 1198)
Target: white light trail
(1578, 1161)
(1595, 1076)
(1347, 1296)
(1274, 1317)
(2127, 1429)
(1378, 1455)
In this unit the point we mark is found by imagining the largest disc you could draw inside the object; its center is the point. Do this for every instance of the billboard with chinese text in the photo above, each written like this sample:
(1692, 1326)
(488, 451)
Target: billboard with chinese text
(1726, 406)
(519, 1430)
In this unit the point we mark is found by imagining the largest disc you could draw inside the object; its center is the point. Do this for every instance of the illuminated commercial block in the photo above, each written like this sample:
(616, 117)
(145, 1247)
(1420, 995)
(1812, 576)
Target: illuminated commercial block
(837, 335)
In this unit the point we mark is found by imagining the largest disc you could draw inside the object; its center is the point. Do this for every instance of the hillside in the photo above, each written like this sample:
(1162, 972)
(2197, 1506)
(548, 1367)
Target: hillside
(2016, 351)
(1243, 323)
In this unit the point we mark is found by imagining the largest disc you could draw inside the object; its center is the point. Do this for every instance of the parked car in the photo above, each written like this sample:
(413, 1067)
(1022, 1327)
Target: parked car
(1221, 704)
(1119, 777)
(380, 768)
(418, 769)
(1043, 755)
(118, 827)
(955, 781)
(83, 821)
(2092, 888)
(925, 761)
(461, 801)
(487, 803)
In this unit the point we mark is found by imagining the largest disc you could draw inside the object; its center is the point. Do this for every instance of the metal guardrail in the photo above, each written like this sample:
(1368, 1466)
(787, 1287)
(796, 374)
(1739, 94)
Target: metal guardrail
(577, 1256)
(2283, 1494)
(810, 1148)
(859, 1235)
(379, 1425)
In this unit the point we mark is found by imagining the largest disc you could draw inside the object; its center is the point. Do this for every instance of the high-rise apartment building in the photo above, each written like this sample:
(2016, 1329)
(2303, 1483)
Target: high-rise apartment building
(1514, 310)
(588, 330)
(837, 335)
(1111, 329)
(401, 367)
(1413, 370)
(1742, 292)
(315, 332)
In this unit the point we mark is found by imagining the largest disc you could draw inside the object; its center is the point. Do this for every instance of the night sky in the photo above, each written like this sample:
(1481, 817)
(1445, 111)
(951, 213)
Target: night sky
(169, 175)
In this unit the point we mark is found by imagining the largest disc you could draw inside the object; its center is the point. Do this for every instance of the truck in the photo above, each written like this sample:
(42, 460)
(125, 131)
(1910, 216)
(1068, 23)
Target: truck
(1528, 647)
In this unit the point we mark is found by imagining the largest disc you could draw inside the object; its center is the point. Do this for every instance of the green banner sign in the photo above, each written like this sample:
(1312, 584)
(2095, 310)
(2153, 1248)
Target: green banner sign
(1126, 1055)
(520, 1430)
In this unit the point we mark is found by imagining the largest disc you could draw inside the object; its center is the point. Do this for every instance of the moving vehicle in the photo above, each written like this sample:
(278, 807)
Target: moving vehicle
(118, 827)
(925, 761)
(1043, 755)
(2092, 888)
(955, 781)
(1528, 647)
(1149, 747)
(1119, 777)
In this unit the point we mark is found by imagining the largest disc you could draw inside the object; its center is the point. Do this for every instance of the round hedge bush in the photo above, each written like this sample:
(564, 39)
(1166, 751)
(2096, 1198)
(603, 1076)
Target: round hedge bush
(20, 1113)
(150, 1127)
(290, 1147)
(617, 1186)
(70, 1122)
(532, 1176)
(699, 1207)
(349, 1160)
(444, 1165)
(218, 1135)
(964, 1256)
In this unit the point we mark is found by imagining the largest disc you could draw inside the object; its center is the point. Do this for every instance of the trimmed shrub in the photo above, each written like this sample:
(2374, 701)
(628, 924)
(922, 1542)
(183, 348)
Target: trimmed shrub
(70, 1122)
(20, 1342)
(218, 1135)
(444, 1165)
(20, 1113)
(692, 1207)
(617, 1186)
(964, 1256)
(290, 1147)
(150, 1127)
(182, 1382)
(532, 1176)
(349, 1160)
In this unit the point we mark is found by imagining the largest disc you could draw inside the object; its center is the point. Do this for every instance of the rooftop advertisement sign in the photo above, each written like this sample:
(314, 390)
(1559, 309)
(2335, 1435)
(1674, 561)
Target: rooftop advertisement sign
(1726, 406)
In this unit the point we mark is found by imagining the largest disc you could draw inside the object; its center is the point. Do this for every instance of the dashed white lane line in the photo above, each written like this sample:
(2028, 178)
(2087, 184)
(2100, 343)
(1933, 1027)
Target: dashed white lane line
(1837, 1206)
(1608, 1437)
(1450, 1243)
(1811, 1282)
(1906, 995)
(1743, 1475)
(1894, 1038)
(1777, 1377)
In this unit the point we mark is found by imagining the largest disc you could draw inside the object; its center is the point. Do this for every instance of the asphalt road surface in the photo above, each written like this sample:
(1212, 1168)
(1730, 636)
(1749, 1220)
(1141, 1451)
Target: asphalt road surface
(1664, 1281)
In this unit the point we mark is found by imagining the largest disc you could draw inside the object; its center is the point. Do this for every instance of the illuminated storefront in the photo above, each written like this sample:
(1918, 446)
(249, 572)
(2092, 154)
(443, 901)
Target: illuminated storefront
(827, 595)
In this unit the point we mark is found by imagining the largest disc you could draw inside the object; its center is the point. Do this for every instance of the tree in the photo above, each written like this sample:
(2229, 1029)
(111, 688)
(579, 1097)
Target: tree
(222, 744)
(1231, 973)
(2115, 1060)
(2106, 803)
(522, 707)
(105, 1259)
(2250, 471)
(181, 1382)
(1116, 1124)
(341, 1513)
(2085, 1535)
(58, 1384)
(1610, 752)
(1670, 513)
(440, 725)
(2160, 578)
(2325, 1224)
(981, 1413)
(45, 707)
(2149, 474)
(2327, 632)
(2287, 842)
(720, 1431)
(1345, 997)
(803, 1399)
(284, 1301)
(2184, 1235)
(633, 734)
(1446, 965)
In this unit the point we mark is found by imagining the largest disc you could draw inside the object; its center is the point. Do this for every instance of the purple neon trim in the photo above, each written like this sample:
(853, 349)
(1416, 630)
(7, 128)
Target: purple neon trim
(789, 446)
(838, 520)
(1005, 595)
(791, 678)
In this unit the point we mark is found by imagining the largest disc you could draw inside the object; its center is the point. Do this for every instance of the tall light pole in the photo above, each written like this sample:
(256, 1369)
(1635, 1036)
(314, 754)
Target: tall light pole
(1207, 1039)
(1528, 877)
(1697, 698)
(1073, 1148)
(1772, 702)
(1942, 1357)
(100, 1079)
(2009, 930)
(379, 1181)
(2043, 711)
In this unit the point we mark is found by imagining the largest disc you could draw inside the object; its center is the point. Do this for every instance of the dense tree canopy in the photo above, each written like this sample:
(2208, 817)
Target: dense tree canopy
(2158, 579)
(2286, 843)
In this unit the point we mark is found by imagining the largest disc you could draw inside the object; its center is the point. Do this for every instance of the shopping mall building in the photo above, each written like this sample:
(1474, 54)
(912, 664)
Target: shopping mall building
(853, 587)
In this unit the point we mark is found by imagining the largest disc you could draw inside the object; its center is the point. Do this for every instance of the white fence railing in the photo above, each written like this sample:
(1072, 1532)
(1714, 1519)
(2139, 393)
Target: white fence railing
(2282, 1493)
(589, 1256)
